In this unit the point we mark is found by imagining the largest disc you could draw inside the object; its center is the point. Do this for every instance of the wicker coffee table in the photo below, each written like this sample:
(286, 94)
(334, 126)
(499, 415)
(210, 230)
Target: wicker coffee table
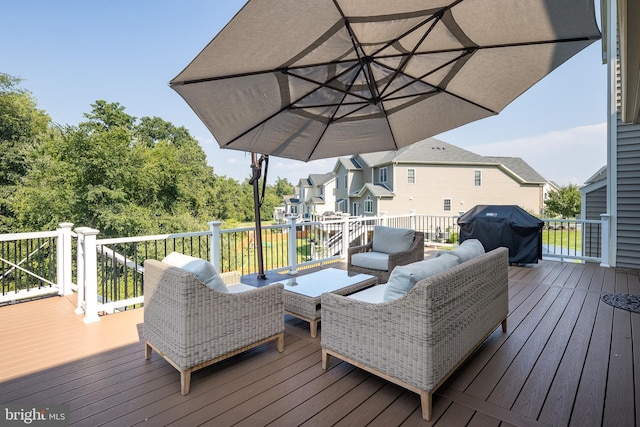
(302, 294)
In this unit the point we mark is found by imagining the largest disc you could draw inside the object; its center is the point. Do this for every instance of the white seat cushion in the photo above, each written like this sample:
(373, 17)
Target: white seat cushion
(374, 294)
(404, 277)
(372, 260)
(239, 287)
(204, 270)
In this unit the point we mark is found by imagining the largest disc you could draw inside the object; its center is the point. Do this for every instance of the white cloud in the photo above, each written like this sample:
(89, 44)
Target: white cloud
(566, 156)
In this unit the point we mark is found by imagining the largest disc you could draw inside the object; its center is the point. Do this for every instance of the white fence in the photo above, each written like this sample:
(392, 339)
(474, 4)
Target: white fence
(109, 271)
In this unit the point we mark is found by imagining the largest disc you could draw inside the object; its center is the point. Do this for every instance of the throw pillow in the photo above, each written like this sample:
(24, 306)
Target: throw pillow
(404, 277)
(204, 270)
(391, 240)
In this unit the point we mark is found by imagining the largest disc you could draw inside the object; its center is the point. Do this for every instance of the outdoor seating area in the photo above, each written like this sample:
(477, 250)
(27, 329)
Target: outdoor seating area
(567, 358)
(388, 248)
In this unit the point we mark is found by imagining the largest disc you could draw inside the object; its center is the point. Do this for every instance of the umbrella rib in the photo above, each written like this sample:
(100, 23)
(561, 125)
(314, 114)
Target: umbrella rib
(326, 84)
(363, 60)
(419, 78)
(406, 58)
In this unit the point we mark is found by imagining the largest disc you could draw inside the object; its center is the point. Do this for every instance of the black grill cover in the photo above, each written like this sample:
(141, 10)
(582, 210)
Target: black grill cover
(504, 225)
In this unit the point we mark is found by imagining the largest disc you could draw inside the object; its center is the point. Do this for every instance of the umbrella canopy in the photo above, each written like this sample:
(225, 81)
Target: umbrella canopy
(312, 79)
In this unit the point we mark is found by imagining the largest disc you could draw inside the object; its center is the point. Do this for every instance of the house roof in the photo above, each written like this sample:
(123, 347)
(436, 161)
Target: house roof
(290, 200)
(377, 190)
(520, 168)
(434, 151)
(321, 178)
(598, 176)
(347, 163)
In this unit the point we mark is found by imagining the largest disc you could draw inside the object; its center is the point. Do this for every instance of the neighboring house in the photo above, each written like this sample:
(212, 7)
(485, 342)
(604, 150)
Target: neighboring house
(288, 209)
(437, 178)
(316, 195)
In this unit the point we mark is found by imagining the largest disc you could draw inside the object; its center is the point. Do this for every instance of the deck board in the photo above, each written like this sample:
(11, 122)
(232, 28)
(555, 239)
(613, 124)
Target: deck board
(566, 359)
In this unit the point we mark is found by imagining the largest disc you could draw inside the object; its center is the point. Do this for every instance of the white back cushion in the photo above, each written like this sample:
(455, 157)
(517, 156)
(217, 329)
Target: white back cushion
(404, 277)
(467, 250)
(204, 270)
(390, 240)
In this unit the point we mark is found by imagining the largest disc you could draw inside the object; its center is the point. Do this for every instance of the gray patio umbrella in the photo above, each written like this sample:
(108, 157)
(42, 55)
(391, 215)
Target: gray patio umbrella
(312, 79)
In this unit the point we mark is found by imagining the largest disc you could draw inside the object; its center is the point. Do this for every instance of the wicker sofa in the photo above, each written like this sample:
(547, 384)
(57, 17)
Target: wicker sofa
(418, 340)
(379, 260)
(193, 326)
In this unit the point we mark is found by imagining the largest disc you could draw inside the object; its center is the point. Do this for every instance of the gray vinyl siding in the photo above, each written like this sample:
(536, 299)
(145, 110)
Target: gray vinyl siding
(596, 204)
(628, 194)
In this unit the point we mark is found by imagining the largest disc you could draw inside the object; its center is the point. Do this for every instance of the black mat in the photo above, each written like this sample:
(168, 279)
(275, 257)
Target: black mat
(624, 301)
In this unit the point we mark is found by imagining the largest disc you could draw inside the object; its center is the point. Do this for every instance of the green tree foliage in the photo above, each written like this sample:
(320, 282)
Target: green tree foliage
(21, 125)
(120, 176)
(566, 202)
(283, 187)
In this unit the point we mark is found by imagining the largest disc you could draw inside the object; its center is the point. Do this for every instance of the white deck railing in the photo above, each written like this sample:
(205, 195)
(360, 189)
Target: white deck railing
(109, 271)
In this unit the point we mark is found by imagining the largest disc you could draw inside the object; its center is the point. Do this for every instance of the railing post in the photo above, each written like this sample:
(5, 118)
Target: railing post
(80, 262)
(604, 244)
(344, 253)
(214, 226)
(412, 219)
(292, 246)
(63, 259)
(90, 276)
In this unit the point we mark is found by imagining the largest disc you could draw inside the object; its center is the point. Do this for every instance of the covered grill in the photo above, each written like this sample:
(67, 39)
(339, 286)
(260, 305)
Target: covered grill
(504, 225)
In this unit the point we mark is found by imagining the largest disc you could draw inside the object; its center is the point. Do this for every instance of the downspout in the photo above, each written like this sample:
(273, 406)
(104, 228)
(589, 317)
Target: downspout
(611, 57)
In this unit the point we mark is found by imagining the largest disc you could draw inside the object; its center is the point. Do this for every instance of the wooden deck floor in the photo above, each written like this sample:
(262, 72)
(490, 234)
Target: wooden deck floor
(567, 359)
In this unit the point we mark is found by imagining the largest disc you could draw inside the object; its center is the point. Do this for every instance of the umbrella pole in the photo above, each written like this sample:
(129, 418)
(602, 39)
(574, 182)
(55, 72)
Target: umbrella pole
(256, 168)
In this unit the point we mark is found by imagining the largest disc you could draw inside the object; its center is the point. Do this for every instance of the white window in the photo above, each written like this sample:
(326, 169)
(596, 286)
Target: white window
(321, 190)
(383, 174)
(411, 176)
(337, 182)
(477, 178)
(446, 206)
(356, 209)
(368, 205)
(346, 181)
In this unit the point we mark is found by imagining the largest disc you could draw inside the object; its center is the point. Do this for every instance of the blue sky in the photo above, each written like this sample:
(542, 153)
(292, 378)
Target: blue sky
(72, 53)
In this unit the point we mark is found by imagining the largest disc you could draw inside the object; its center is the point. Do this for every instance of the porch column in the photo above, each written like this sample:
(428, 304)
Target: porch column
(63, 259)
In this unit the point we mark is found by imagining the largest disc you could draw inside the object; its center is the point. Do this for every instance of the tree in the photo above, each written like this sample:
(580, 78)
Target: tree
(565, 202)
(21, 125)
(283, 187)
(119, 176)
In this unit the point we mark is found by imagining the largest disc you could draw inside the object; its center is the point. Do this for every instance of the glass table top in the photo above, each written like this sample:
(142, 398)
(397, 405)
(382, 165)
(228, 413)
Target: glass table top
(316, 283)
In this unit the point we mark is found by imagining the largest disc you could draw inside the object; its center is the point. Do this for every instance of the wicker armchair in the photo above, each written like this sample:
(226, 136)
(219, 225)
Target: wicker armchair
(420, 339)
(193, 326)
(413, 254)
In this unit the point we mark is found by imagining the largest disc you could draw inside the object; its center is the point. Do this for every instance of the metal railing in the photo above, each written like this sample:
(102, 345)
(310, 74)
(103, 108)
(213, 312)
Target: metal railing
(573, 239)
(35, 264)
(109, 272)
